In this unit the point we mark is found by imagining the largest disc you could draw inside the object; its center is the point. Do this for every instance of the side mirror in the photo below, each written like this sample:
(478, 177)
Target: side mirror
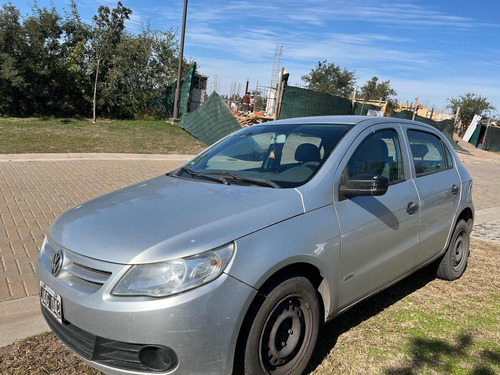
(364, 185)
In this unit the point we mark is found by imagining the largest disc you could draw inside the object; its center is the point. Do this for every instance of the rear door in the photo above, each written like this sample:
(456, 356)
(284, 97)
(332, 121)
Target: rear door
(438, 185)
(378, 234)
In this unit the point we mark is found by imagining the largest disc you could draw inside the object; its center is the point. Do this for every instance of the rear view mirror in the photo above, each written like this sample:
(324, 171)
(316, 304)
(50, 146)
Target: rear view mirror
(364, 185)
(280, 138)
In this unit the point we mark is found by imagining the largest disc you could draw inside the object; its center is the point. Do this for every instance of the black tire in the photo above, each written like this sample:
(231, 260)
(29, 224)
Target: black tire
(454, 261)
(283, 330)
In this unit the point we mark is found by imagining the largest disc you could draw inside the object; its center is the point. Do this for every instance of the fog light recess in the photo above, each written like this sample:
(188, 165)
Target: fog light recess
(158, 358)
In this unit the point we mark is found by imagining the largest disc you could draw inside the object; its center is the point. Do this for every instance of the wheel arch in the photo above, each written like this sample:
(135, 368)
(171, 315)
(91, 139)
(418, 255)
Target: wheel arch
(307, 270)
(466, 215)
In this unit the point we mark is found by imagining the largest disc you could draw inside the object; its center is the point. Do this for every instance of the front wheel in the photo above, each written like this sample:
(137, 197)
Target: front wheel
(283, 330)
(454, 261)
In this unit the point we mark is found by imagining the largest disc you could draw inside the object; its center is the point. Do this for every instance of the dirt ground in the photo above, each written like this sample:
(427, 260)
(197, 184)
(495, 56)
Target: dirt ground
(475, 154)
(484, 167)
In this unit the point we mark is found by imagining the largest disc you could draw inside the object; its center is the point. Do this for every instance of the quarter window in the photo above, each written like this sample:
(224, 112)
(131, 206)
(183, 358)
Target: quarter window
(449, 158)
(427, 151)
(380, 155)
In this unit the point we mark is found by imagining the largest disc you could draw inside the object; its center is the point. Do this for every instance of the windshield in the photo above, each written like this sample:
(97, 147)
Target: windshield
(285, 155)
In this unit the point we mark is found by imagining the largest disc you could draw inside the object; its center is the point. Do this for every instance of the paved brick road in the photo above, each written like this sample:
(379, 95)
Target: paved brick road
(485, 190)
(34, 193)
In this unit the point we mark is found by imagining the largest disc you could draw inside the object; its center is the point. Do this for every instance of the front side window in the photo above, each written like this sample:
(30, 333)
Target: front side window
(378, 155)
(275, 155)
(427, 151)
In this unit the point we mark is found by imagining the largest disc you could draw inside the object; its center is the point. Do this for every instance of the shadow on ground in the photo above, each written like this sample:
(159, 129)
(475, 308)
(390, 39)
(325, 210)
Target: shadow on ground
(439, 355)
(331, 331)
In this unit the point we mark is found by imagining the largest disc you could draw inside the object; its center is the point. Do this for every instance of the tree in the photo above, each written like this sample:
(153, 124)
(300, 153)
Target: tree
(108, 30)
(372, 90)
(331, 79)
(36, 76)
(76, 53)
(470, 104)
(12, 82)
(40, 65)
(52, 64)
(143, 67)
(259, 104)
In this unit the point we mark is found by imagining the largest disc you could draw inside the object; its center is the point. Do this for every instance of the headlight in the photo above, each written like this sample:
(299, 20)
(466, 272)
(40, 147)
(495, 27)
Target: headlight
(174, 276)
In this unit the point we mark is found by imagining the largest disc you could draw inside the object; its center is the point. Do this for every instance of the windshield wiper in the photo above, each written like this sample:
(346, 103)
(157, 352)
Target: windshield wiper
(255, 180)
(208, 176)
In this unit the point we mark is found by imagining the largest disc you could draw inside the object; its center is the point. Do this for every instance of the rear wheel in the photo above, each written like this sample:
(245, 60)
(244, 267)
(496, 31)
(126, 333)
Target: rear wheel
(454, 261)
(283, 330)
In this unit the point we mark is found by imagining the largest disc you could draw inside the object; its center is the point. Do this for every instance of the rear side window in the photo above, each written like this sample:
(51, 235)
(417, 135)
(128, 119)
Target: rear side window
(428, 152)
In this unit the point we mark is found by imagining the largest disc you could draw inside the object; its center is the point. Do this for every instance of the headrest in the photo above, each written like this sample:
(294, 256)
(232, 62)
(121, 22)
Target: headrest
(374, 149)
(419, 150)
(307, 152)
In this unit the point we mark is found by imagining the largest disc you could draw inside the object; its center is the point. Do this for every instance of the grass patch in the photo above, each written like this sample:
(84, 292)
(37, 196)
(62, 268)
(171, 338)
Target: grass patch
(419, 326)
(69, 135)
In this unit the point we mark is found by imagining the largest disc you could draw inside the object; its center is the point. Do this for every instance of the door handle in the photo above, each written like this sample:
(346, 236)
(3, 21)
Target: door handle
(411, 208)
(454, 189)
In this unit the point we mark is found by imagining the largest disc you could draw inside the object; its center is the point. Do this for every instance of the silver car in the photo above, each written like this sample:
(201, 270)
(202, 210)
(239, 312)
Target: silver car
(231, 263)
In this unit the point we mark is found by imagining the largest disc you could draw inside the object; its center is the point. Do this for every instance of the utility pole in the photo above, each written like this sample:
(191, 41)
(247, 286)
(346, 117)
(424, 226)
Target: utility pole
(457, 114)
(279, 94)
(457, 120)
(175, 118)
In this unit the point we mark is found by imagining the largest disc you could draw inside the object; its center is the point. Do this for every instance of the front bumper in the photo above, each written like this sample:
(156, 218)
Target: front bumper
(201, 326)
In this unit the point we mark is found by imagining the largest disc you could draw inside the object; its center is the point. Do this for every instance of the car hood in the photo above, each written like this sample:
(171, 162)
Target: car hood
(168, 217)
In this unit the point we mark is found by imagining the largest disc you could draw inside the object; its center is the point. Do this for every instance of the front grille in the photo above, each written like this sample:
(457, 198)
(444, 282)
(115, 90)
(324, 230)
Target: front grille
(79, 271)
(87, 274)
(98, 349)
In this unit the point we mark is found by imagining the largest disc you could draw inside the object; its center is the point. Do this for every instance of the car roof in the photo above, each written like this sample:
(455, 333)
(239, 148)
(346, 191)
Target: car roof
(352, 120)
(349, 120)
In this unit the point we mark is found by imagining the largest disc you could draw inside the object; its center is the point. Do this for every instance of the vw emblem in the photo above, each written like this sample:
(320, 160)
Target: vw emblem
(57, 263)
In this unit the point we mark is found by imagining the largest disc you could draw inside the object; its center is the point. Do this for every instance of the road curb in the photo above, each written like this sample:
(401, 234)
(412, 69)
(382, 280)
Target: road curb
(20, 318)
(91, 156)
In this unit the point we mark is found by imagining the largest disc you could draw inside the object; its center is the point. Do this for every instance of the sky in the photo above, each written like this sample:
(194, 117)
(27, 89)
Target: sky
(428, 49)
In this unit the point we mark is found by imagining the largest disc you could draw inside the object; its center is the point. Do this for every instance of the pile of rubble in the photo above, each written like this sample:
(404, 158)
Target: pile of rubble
(248, 119)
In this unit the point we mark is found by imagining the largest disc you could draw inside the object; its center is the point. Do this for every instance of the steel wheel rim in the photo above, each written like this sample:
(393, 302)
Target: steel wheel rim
(459, 251)
(285, 336)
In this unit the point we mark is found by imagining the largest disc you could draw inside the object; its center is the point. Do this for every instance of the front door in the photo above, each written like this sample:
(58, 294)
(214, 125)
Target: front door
(378, 233)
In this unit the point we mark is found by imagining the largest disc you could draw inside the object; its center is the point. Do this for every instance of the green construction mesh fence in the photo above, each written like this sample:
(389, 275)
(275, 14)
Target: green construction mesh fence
(299, 102)
(211, 122)
(408, 115)
(168, 98)
(362, 108)
(491, 140)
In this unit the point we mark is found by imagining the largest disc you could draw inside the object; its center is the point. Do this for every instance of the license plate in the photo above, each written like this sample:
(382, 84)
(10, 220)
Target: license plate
(51, 301)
